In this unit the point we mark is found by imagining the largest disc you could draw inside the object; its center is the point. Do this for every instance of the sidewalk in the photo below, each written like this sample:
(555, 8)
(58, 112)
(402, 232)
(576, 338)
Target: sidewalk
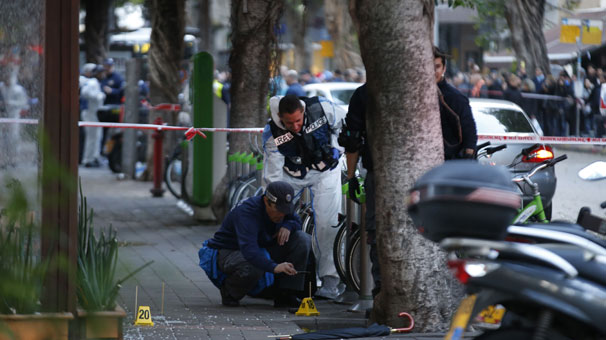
(156, 229)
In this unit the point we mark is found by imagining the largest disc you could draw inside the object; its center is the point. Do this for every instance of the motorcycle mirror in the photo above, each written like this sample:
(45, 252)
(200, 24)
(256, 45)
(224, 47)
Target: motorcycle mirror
(594, 171)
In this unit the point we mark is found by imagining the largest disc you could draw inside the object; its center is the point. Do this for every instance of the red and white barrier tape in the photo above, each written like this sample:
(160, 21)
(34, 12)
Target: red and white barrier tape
(544, 140)
(18, 121)
(191, 132)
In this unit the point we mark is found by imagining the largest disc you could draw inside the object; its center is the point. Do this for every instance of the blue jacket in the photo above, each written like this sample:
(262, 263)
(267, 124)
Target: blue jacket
(116, 82)
(248, 228)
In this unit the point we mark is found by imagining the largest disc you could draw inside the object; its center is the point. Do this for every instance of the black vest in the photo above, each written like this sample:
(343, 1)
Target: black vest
(308, 149)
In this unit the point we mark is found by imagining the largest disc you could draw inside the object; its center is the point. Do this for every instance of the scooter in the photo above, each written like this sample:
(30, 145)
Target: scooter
(553, 288)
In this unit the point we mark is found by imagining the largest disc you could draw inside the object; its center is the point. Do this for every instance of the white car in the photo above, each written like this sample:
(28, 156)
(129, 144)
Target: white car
(339, 92)
(501, 117)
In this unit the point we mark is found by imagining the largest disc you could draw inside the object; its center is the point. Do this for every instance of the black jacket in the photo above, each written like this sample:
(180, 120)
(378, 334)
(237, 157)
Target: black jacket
(356, 121)
(458, 126)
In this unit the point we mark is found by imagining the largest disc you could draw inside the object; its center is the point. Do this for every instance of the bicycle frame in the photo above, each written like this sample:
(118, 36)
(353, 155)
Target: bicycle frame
(534, 208)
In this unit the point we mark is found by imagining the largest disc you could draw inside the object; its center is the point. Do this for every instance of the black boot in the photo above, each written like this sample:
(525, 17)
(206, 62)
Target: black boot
(286, 299)
(227, 300)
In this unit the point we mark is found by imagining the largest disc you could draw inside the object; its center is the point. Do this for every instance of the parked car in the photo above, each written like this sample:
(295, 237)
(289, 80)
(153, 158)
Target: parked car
(339, 92)
(500, 117)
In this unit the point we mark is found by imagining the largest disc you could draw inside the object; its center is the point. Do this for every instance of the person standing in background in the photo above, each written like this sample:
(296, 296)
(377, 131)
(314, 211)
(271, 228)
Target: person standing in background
(90, 92)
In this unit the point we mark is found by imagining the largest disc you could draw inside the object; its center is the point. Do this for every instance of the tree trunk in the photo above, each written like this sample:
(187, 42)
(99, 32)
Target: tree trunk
(254, 51)
(165, 56)
(297, 21)
(404, 130)
(204, 24)
(95, 34)
(525, 20)
(340, 27)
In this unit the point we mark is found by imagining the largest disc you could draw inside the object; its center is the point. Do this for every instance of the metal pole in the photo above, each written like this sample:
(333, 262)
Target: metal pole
(365, 301)
(578, 111)
(157, 190)
(349, 296)
(131, 115)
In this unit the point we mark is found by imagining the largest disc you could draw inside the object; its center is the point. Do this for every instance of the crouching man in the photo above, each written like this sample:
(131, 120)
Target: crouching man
(260, 241)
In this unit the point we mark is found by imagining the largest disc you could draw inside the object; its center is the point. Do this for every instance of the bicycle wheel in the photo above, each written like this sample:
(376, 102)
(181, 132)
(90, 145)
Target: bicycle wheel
(339, 249)
(309, 226)
(352, 261)
(173, 177)
(246, 190)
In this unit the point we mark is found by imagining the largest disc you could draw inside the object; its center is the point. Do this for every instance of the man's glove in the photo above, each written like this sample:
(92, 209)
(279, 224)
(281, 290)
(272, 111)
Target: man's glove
(335, 158)
(354, 189)
(466, 155)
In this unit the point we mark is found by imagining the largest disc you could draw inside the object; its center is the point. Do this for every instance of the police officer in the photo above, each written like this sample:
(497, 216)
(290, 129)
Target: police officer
(113, 83)
(260, 226)
(354, 139)
(300, 147)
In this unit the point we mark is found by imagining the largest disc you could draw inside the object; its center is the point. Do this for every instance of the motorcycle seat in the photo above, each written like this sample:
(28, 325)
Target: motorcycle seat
(588, 265)
(570, 228)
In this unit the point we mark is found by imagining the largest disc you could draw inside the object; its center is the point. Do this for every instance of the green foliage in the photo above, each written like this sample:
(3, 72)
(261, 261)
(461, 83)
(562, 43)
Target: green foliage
(457, 3)
(487, 22)
(22, 270)
(97, 259)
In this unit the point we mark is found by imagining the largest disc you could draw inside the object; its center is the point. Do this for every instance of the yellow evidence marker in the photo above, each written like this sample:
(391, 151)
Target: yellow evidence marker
(144, 317)
(307, 308)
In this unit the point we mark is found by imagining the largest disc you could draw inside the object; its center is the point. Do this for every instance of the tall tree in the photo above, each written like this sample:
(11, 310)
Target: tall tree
(254, 53)
(296, 15)
(403, 124)
(525, 23)
(165, 56)
(254, 49)
(96, 29)
(342, 33)
(525, 20)
(205, 24)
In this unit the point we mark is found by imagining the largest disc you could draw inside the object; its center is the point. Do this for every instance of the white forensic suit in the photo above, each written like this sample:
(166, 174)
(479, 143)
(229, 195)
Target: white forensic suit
(91, 91)
(322, 120)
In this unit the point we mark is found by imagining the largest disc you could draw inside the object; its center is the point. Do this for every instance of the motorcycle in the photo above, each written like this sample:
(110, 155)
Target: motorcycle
(542, 281)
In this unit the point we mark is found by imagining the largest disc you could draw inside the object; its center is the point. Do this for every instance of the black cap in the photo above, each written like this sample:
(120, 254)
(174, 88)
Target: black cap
(282, 195)
(109, 61)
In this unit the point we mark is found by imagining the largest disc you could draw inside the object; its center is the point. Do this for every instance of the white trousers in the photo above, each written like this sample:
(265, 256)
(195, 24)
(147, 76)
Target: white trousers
(92, 141)
(326, 198)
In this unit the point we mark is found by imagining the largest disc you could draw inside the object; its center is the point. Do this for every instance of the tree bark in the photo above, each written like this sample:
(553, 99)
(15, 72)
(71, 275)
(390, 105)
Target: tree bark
(204, 24)
(297, 21)
(525, 20)
(403, 124)
(95, 33)
(165, 56)
(253, 53)
(339, 25)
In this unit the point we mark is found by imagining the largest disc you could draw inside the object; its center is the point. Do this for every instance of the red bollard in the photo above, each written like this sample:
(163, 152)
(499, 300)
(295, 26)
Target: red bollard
(157, 190)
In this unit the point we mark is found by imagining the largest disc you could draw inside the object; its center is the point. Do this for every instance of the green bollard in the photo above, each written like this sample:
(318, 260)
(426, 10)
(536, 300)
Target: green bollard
(202, 100)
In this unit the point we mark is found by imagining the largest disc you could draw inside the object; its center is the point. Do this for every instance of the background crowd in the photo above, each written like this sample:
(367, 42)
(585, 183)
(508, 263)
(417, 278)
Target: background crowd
(551, 99)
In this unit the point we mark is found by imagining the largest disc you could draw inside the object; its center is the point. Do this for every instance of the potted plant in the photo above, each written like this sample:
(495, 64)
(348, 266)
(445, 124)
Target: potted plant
(23, 274)
(100, 316)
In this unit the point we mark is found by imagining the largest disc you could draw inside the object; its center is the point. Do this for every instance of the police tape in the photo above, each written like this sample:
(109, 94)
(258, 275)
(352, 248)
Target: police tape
(542, 140)
(191, 132)
(18, 121)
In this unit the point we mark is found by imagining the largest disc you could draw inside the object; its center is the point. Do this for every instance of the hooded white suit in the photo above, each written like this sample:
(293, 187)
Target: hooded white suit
(325, 186)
